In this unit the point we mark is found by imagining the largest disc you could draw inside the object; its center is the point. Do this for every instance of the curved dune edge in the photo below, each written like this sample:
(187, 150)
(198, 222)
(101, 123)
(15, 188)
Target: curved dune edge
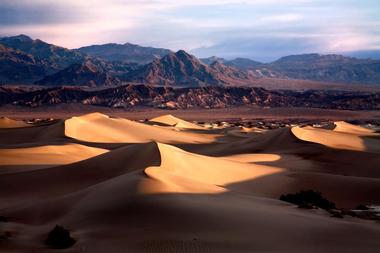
(97, 127)
(185, 172)
(50, 154)
(171, 120)
(336, 139)
(10, 123)
(344, 127)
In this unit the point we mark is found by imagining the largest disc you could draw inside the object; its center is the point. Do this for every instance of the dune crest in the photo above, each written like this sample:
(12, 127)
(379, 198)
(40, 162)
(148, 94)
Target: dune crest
(171, 120)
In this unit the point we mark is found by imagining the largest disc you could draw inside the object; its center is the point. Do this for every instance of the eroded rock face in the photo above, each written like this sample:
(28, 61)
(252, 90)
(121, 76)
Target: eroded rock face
(84, 74)
(199, 97)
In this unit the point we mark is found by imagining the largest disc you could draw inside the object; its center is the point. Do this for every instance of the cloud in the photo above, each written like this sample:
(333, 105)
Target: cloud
(261, 28)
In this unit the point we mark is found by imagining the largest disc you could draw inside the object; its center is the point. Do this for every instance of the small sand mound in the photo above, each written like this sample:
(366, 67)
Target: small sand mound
(96, 127)
(170, 120)
(345, 127)
(10, 123)
(52, 154)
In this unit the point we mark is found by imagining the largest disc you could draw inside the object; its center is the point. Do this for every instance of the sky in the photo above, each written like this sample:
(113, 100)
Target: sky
(263, 30)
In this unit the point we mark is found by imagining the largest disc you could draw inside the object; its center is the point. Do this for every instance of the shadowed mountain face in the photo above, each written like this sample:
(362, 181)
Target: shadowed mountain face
(331, 68)
(17, 66)
(54, 56)
(324, 68)
(183, 69)
(81, 74)
(127, 52)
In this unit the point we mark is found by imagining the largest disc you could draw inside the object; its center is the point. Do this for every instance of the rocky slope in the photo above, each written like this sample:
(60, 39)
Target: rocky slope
(17, 66)
(129, 96)
(183, 69)
(81, 74)
(53, 56)
(328, 68)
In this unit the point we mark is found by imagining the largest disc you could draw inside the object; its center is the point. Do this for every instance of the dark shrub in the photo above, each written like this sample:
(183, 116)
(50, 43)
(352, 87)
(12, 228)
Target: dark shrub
(336, 214)
(305, 206)
(59, 238)
(5, 235)
(309, 197)
(362, 207)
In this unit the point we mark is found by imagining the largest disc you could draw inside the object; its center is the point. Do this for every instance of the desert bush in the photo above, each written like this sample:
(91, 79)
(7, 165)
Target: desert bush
(362, 207)
(305, 199)
(59, 238)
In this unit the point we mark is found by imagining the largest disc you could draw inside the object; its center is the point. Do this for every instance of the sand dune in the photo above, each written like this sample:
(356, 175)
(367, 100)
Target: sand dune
(345, 127)
(97, 127)
(164, 190)
(10, 123)
(343, 138)
(33, 136)
(179, 168)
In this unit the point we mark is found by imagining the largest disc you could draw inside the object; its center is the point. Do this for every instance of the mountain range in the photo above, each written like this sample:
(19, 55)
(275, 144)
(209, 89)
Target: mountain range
(27, 61)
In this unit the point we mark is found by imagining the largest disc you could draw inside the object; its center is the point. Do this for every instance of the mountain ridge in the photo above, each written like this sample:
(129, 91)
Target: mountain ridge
(127, 52)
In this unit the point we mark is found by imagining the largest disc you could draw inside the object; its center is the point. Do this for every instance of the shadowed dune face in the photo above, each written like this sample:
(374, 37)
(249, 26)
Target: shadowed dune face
(121, 185)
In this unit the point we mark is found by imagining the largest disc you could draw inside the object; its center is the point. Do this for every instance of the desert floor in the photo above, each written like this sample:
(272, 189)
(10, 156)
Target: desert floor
(171, 185)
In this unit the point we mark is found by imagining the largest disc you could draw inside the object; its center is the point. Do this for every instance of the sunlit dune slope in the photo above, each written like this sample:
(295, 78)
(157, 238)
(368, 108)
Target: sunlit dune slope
(57, 154)
(182, 171)
(338, 139)
(345, 127)
(10, 123)
(97, 127)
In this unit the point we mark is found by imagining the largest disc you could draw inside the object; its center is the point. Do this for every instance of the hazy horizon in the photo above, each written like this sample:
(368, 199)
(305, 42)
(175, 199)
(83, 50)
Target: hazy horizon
(259, 30)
